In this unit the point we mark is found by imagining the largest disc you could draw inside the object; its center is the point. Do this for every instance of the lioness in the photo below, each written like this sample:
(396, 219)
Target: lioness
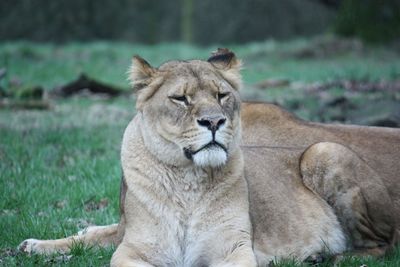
(194, 158)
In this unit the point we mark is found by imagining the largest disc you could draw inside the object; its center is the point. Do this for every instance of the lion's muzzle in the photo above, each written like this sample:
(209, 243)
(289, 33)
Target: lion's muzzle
(212, 123)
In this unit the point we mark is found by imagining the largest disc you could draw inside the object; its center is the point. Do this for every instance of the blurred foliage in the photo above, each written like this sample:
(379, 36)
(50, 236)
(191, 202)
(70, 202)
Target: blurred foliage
(196, 21)
(371, 20)
(58, 21)
(152, 21)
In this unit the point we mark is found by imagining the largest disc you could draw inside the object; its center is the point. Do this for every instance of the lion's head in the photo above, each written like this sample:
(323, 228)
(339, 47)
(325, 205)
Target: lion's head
(189, 109)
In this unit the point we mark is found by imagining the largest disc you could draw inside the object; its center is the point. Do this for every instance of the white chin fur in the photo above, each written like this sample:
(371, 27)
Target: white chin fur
(210, 157)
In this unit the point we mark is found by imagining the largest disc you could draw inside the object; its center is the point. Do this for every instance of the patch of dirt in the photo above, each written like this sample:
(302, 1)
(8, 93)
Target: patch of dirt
(272, 83)
(67, 116)
(7, 252)
(91, 204)
(58, 259)
(352, 85)
(329, 46)
(81, 223)
(60, 204)
(107, 113)
(19, 104)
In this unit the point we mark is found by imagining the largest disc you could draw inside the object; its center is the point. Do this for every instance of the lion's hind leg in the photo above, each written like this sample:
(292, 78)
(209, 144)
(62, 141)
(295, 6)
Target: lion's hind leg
(92, 236)
(356, 193)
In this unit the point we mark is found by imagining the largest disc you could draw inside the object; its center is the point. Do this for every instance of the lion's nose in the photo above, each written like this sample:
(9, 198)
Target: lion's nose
(212, 122)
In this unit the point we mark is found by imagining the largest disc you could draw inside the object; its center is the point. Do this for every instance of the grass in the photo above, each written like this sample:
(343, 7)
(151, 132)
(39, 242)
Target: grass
(53, 162)
(51, 65)
(51, 165)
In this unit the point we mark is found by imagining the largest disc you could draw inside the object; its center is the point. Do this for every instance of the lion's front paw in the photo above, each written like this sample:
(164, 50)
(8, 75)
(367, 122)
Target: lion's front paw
(30, 246)
(316, 259)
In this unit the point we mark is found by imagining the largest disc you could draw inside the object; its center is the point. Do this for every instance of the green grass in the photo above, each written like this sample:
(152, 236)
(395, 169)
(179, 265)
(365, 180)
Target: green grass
(52, 162)
(50, 165)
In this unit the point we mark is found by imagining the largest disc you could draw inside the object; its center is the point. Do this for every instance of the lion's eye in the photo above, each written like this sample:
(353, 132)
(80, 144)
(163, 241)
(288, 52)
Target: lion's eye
(180, 99)
(221, 96)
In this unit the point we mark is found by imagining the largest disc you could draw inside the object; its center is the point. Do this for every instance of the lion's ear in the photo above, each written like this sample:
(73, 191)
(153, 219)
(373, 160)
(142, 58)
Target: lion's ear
(140, 73)
(228, 65)
(224, 59)
(143, 79)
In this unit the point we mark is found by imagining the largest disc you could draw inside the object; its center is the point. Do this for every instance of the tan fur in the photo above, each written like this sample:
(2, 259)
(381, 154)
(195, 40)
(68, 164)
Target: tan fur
(305, 177)
(312, 188)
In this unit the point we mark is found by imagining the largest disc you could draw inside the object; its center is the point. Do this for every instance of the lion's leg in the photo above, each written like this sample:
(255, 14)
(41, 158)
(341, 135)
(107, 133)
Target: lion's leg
(356, 193)
(93, 235)
(126, 256)
(241, 257)
(263, 259)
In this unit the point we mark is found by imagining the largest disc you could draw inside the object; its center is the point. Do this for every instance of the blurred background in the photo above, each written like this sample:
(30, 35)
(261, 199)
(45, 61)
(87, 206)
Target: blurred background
(65, 101)
(319, 53)
(199, 22)
(323, 59)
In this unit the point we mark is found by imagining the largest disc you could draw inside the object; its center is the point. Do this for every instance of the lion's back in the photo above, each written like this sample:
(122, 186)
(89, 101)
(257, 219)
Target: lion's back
(270, 133)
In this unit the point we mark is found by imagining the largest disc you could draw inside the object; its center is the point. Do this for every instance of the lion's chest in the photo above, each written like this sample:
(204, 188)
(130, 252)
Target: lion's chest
(171, 222)
(182, 235)
(184, 240)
